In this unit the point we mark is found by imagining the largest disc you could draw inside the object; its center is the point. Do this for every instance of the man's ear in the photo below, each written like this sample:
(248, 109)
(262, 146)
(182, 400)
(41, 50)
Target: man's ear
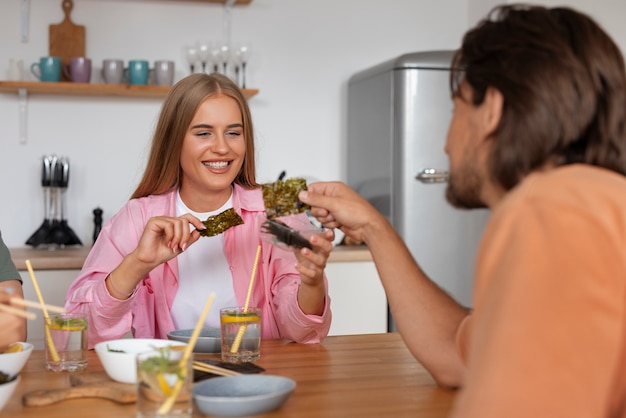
(493, 104)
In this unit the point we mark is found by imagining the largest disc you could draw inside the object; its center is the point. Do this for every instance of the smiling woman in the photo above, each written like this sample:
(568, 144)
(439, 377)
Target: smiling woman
(150, 268)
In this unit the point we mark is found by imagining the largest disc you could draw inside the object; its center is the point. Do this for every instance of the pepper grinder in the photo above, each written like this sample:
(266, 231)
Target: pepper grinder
(97, 223)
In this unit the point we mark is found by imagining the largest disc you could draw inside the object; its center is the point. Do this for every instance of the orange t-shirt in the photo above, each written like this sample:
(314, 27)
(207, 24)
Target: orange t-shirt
(547, 337)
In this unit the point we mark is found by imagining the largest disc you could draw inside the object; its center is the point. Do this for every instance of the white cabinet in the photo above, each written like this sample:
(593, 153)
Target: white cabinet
(53, 285)
(358, 299)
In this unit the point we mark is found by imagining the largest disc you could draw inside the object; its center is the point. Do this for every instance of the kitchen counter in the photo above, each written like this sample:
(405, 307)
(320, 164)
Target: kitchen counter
(73, 258)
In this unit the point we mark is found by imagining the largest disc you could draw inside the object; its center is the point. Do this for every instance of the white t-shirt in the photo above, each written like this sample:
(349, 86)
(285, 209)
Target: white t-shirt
(202, 269)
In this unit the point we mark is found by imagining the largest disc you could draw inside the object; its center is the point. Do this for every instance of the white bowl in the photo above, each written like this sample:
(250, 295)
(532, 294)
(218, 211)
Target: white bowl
(246, 394)
(6, 390)
(12, 363)
(209, 340)
(122, 366)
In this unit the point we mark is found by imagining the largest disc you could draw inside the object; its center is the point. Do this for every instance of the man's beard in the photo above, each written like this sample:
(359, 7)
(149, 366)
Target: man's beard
(463, 189)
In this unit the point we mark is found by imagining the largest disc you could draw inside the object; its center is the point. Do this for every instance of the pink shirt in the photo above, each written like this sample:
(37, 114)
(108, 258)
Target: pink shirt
(147, 312)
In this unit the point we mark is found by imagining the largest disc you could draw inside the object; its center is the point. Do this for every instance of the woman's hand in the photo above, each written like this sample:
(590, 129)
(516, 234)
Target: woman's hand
(165, 237)
(311, 265)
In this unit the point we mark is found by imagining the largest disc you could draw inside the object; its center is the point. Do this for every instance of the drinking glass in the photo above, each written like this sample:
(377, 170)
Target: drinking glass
(164, 384)
(204, 54)
(192, 57)
(66, 342)
(224, 55)
(241, 334)
(244, 53)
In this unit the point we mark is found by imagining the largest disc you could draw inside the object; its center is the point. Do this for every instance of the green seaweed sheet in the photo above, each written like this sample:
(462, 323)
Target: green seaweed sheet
(281, 197)
(219, 223)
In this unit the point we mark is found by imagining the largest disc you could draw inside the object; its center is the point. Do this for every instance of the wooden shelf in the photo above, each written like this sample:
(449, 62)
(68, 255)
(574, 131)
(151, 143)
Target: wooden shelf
(219, 1)
(89, 89)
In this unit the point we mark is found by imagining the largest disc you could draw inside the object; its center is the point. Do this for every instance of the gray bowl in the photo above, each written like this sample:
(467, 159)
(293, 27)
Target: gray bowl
(246, 394)
(209, 340)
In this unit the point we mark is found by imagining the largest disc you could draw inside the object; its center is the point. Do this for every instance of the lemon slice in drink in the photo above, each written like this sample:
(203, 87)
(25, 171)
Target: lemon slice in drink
(72, 324)
(14, 348)
(229, 319)
(165, 387)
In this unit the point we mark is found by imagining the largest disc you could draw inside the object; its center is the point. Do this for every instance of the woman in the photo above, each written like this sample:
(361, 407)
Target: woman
(151, 272)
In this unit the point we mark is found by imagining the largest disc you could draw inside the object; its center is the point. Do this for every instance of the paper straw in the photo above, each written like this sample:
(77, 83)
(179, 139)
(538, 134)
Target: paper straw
(51, 346)
(167, 405)
(252, 276)
(242, 329)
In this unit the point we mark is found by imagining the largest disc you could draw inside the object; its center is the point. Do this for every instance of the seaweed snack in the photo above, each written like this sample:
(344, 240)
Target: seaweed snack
(219, 223)
(281, 197)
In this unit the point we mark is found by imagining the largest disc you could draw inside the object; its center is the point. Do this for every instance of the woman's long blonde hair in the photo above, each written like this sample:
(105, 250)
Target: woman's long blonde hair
(163, 170)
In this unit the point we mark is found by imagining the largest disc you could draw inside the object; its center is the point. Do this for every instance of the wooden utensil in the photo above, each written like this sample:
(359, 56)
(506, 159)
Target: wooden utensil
(66, 39)
(99, 386)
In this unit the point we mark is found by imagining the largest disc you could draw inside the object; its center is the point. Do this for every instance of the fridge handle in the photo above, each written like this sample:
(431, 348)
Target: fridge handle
(432, 175)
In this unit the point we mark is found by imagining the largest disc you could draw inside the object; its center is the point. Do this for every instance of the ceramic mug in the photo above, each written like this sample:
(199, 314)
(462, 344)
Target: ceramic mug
(47, 69)
(138, 72)
(113, 71)
(78, 70)
(164, 73)
(16, 70)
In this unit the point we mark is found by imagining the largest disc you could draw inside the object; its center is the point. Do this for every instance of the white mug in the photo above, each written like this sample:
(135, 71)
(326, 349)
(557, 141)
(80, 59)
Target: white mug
(16, 70)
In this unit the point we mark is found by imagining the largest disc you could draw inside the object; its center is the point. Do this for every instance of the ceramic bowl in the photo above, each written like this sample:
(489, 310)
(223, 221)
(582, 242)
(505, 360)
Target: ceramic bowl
(246, 394)
(6, 390)
(118, 356)
(209, 340)
(12, 363)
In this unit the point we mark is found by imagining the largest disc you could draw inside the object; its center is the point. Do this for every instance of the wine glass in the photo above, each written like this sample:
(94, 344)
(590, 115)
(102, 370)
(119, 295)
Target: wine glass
(192, 58)
(215, 57)
(243, 53)
(224, 54)
(204, 54)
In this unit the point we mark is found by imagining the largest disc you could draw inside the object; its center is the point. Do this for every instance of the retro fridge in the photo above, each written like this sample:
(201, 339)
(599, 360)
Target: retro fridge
(398, 117)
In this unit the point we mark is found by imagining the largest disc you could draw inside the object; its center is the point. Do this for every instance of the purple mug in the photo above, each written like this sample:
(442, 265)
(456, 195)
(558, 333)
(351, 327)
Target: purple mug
(78, 70)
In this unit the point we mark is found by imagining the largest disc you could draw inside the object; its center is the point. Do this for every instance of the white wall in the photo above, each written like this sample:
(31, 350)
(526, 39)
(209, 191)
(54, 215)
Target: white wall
(304, 51)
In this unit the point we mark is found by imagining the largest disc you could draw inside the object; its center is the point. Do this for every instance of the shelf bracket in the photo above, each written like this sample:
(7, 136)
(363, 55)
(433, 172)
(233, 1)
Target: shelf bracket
(23, 108)
(24, 19)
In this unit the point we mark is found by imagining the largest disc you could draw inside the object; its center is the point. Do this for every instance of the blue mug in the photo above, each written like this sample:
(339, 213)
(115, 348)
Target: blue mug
(138, 72)
(47, 69)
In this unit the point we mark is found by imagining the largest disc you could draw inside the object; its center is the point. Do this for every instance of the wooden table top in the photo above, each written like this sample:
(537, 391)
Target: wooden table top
(345, 376)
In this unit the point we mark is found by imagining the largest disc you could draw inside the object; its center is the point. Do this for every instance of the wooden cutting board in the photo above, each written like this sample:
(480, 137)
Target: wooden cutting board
(67, 40)
(84, 386)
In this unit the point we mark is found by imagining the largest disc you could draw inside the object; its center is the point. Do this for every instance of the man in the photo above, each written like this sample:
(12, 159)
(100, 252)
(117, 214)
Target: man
(538, 136)
(13, 327)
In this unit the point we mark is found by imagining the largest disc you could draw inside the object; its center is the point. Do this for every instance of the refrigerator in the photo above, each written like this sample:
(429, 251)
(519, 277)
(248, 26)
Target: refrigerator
(398, 117)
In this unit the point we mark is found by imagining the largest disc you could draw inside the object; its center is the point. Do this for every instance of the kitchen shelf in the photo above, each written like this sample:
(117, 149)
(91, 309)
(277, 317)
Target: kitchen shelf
(90, 89)
(218, 1)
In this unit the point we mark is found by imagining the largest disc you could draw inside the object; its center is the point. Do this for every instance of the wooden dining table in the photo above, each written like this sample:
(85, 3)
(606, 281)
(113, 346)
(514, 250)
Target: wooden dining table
(371, 375)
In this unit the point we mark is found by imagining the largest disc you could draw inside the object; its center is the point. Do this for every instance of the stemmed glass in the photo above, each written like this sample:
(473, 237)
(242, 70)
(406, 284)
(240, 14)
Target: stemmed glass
(192, 58)
(215, 57)
(204, 53)
(224, 54)
(243, 54)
